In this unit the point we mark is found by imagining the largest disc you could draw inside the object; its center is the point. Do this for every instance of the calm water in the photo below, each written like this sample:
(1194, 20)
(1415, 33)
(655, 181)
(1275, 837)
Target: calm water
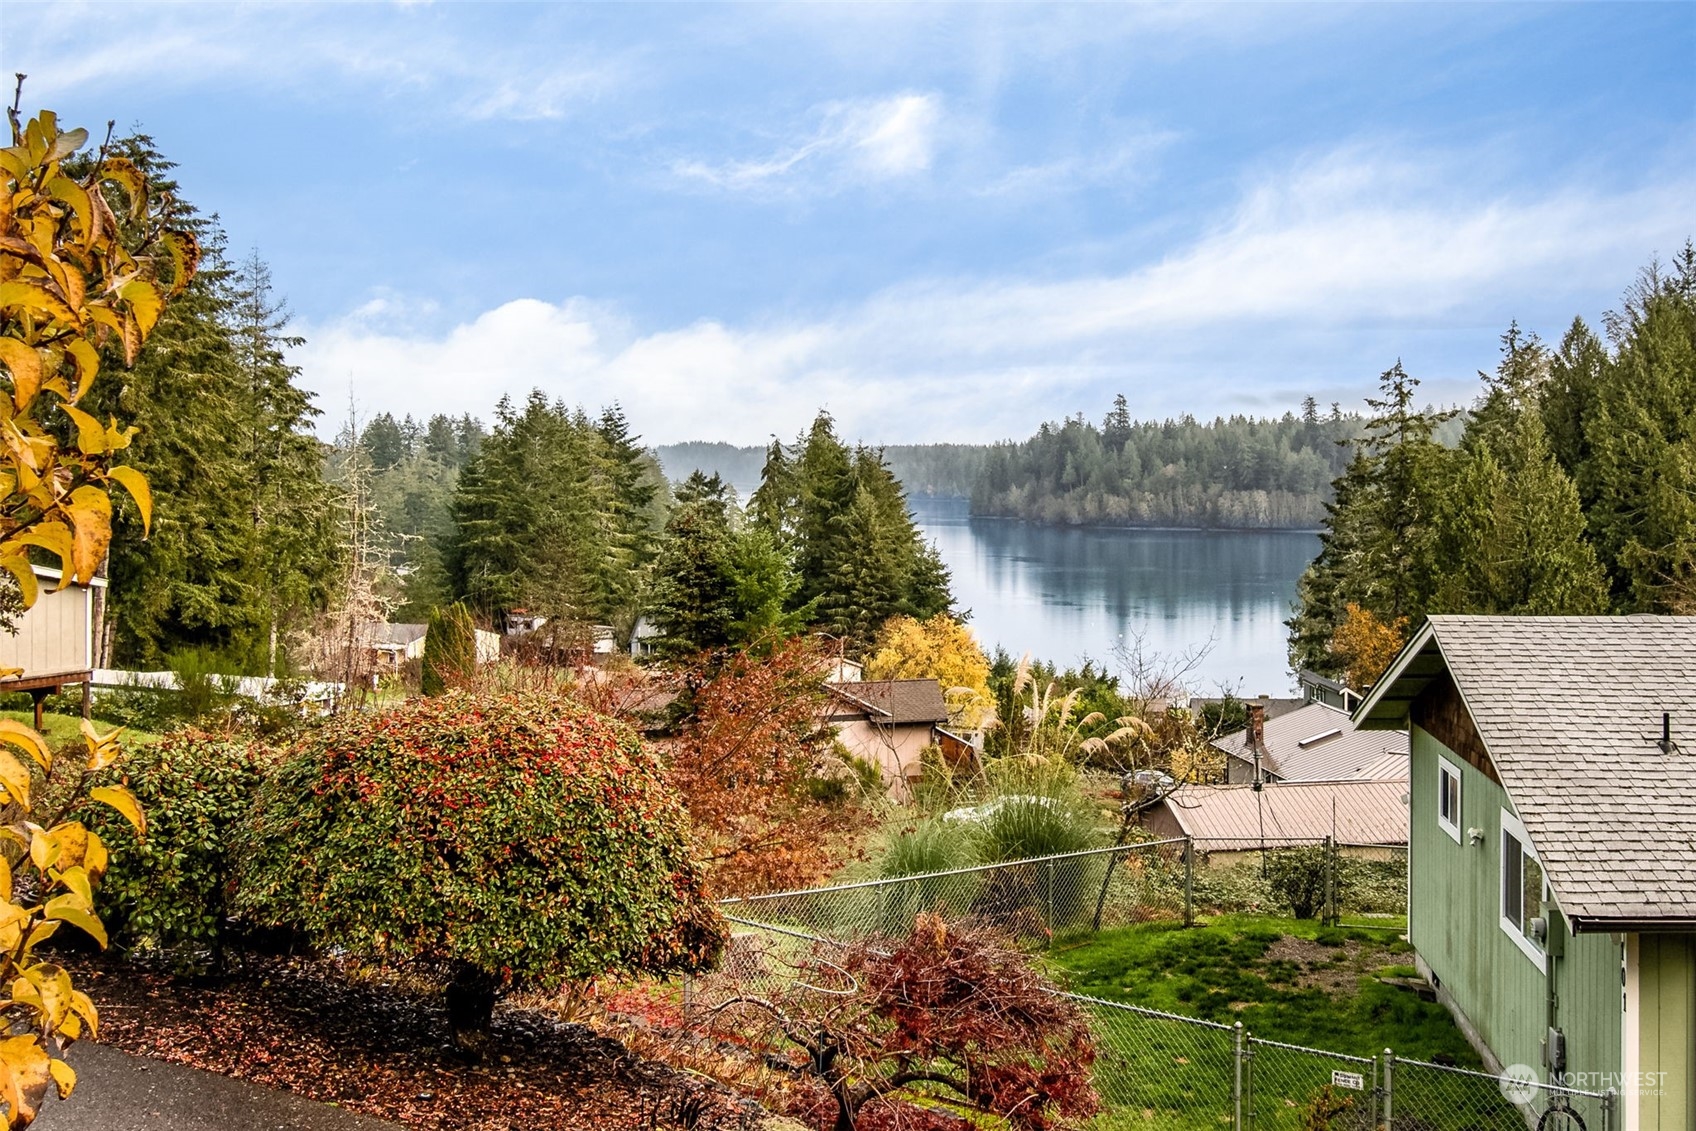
(1067, 594)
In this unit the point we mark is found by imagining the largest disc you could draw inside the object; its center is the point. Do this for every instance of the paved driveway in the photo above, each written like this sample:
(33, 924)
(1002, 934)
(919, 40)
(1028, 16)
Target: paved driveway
(119, 1092)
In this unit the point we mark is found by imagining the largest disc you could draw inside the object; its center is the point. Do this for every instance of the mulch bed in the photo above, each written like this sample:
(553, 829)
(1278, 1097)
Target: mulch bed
(382, 1049)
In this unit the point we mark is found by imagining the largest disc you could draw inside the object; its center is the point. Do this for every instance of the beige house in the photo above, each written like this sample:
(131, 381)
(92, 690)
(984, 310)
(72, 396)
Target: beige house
(889, 723)
(54, 641)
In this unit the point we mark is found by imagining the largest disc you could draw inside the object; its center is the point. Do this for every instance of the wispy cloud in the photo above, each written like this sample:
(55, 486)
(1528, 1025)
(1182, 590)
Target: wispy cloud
(1316, 280)
(398, 52)
(855, 141)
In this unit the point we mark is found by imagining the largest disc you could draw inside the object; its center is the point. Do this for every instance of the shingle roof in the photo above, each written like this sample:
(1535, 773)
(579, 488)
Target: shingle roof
(1236, 817)
(895, 701)
(1301, 746)
(1569, 709)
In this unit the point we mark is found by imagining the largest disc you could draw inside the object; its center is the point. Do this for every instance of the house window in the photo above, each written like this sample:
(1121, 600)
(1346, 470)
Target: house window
(1524, 890)
(1448, 798)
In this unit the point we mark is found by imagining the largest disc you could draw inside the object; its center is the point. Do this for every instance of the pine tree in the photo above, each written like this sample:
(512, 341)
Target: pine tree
(242, 539)
(292, 511)
(1641, 470)
(1405, 474)
(693, 601)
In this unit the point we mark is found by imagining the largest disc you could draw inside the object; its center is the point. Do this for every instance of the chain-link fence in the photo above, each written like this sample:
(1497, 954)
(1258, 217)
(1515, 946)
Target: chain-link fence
(1028, 899)
(1153, 1069)
(1436, 1097)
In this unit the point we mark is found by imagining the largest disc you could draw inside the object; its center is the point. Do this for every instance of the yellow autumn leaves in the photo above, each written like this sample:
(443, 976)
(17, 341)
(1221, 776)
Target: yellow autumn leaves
(75, 276)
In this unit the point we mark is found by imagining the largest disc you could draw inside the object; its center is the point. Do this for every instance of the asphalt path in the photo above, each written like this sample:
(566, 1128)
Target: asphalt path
(119, 1092)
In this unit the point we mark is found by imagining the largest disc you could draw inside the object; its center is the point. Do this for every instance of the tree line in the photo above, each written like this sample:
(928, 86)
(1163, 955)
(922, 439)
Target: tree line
(1235, 472)
(1572, 489)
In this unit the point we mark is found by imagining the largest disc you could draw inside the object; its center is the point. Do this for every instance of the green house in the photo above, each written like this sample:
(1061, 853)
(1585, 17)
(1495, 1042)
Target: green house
(1552, 845)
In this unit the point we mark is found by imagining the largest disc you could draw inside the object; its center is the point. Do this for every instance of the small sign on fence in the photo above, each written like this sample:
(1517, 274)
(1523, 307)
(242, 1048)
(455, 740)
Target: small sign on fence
(1348, 1080)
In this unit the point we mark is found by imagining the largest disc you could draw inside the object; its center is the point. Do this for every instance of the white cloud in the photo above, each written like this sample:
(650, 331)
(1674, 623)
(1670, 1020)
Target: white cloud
(1318, 279)
(866, 140)
(426, 66)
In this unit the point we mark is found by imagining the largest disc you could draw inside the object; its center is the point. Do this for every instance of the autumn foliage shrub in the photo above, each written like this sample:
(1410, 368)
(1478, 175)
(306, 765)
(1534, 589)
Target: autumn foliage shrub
(949, 1012)
(170, 889)
(520, 837)
(749, 763)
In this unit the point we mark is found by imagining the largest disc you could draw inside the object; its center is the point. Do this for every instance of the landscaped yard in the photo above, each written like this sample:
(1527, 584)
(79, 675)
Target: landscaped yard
(1284, 979)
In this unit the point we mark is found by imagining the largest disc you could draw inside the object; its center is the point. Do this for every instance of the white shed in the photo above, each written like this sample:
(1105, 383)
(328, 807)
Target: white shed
(54, 641)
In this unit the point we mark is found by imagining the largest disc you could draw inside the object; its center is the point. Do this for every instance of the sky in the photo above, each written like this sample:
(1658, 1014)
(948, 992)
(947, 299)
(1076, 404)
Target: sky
(937, 222)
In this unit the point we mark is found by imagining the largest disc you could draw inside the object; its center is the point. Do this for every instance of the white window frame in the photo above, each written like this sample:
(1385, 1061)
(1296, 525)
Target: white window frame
(1452, 827)
(1512, 827)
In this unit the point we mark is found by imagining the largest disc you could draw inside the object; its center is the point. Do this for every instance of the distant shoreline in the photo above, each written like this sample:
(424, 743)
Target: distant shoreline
(1119, 525)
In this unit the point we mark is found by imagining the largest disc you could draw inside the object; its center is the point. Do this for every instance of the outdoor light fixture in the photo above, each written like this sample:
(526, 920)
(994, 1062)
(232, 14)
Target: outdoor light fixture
(1475, 835)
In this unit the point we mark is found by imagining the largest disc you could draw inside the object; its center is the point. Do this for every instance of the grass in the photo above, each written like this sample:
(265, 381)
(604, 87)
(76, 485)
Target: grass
(1284, 979)
(66, 730)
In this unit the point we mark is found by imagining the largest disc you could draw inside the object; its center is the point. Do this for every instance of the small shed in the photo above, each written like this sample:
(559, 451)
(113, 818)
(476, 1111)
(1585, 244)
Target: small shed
(54, 641)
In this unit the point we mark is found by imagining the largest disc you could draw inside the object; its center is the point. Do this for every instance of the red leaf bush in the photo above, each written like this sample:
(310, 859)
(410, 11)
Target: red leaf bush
(520, 836)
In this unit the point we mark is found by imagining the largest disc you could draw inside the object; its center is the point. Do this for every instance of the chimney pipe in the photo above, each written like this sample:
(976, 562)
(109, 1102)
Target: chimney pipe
(1666, 732)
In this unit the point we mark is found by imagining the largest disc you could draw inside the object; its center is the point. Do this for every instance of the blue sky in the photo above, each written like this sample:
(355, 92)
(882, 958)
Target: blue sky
(940, 222)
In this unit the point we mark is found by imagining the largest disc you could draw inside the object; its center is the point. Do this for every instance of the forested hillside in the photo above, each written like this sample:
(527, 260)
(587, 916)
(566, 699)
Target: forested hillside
(1572, 489)
(1236, 472)
(923, 469)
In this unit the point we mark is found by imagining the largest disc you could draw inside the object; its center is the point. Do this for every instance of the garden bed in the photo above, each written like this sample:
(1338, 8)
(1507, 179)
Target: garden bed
(380, 1047)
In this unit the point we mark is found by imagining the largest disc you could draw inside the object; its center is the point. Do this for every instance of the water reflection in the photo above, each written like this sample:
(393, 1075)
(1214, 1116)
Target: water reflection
(1069, 594)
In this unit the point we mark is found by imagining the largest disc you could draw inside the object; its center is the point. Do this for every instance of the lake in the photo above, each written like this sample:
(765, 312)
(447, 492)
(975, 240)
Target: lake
(1065, 594)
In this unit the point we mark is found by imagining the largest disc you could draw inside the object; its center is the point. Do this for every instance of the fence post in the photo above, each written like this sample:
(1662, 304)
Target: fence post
(1051, 901)
(1389, 1089)
(688, 996)
(1189, 880)
(1330, 914)
(1608, 1100)
(1237, 1080)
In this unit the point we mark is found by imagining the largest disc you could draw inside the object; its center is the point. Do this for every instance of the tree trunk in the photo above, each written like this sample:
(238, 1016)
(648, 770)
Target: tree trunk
(470, 997)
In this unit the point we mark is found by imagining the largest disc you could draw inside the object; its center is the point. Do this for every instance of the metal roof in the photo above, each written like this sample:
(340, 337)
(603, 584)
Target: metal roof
(1569, 710)
(1226, 818)
(1321, 743)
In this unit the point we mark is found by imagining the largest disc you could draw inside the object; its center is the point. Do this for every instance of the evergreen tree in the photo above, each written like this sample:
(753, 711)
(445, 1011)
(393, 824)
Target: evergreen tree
(450, 649)
(384, 442)
(293, 514)
(1328, 585)
(242, 539)
(857, 553)
(1640, 470)
(693, 602)
(1398, 567)
(548, 500)
(1512, 530)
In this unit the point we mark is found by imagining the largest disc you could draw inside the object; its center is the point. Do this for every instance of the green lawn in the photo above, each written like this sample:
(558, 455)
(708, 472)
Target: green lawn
(1284, 979)
(63, 730)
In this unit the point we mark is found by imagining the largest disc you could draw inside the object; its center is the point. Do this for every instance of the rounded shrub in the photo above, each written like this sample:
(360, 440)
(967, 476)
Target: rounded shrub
(170, 890)
(518, 838)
